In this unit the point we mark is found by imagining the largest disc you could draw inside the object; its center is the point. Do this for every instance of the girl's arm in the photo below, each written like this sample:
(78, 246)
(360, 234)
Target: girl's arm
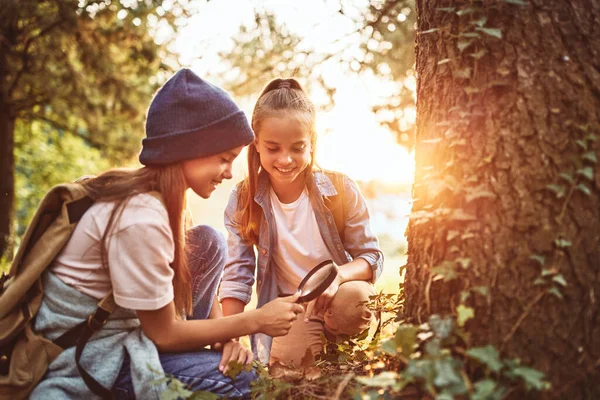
(359, 241)
(215, 310)
(238, 277)
(172, 334)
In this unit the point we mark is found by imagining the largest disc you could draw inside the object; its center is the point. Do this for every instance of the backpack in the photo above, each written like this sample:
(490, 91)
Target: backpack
(24, 354)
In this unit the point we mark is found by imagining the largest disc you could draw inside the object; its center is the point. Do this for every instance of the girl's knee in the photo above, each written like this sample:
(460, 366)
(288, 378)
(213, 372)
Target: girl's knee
(348, 313)
(205, 239)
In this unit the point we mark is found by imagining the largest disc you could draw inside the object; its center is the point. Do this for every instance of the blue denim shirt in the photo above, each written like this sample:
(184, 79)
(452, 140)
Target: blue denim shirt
(242, 264)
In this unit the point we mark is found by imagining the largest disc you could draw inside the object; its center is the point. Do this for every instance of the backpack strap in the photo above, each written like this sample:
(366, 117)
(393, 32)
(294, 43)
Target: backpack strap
(335, 204)
(80, 334)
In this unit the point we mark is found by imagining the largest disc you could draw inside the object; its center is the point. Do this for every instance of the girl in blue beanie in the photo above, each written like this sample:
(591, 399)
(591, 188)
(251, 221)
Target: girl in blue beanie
(133, 241)
(284, 208)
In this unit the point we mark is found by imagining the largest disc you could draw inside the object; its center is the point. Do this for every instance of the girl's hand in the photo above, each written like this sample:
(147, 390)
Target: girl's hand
(233, 351)
(322, 302)
(276, 316)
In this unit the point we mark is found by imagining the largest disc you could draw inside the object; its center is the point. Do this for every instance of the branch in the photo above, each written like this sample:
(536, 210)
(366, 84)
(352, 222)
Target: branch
(25, 57)
(58, 125)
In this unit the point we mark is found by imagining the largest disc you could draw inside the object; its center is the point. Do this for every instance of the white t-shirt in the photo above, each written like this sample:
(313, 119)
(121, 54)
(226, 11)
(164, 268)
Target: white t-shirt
(299, 246)
(140, 251)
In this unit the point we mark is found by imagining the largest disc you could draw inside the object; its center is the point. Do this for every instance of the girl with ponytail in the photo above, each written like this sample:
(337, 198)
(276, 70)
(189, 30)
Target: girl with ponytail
(281, 210)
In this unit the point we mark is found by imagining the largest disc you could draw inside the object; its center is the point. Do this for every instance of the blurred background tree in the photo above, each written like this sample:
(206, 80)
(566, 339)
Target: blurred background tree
(381, 44)
(75, 80)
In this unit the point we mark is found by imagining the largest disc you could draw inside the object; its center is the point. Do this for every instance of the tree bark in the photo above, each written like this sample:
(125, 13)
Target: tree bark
(7, 180)
(507, 183)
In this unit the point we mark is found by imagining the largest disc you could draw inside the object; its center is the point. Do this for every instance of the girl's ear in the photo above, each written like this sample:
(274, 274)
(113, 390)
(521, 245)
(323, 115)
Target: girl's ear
(255, 144)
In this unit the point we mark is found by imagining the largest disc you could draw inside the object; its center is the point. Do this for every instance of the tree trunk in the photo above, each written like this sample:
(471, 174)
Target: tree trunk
(7, 181)
(506, 218)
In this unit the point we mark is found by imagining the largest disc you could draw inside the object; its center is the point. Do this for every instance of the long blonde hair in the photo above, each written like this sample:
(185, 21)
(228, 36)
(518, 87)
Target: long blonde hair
(119, 185)
(280, 98)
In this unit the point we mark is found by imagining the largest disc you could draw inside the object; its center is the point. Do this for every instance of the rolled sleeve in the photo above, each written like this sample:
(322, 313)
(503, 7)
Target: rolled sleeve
(359, 239)
(240, 267)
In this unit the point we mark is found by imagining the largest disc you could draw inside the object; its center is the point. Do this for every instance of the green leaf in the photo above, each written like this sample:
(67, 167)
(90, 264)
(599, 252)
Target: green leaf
(486, 390)
(442, 327)
(446, 373)
(451, 235)
(204, 395)
(464, 314)
(445, 270)
(465, 11)
(532, 378)
(581, 143)
(590, 156)
(482, 290)
(464, 262)
(463, 44)
(587, 172)
(494, 32)
(389, 347)
(480, 22)
(583, 188)
(479, 54)
(446, 9)
(430, 31)
(560, 280)
(567, 176)
(554, 291)
(382, 380)
(487, 355)
(540, 259)
(433, 347)
(539, 281)
(464, 296)
(558, 190)
(444, 61)
(562, 243)
(516, 2)
(405, 338)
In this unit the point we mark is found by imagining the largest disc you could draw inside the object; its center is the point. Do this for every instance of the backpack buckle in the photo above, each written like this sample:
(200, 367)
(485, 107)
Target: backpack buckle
(97, 320)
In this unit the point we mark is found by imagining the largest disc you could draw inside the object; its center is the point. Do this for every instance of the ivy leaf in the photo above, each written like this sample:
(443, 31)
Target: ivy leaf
(581, 143)
(382, 380)
(463, 44)
(540, 259)
(516, 2)
(464, 314)
(444, 61)
(463, 73)
(487, 355)
(486, 390)
(472, 35)
(442, 327)
(464, 262)
(480, 22)
(451, 235)
(558, 190)
(482, 290)
(204, 395)
(590, 156)
(464, 296)
(446, 9)
(583, 188)
(479, 54)
(464, 11)
(587, 172)
(560, 280)
(554, 291)
(531, 377)
(446, 373)
(406, 336)
(494, 32)
(429, 31)
(562, 243)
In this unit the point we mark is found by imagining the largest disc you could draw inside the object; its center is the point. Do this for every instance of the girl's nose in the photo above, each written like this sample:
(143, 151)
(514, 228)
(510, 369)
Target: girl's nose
(285, 159)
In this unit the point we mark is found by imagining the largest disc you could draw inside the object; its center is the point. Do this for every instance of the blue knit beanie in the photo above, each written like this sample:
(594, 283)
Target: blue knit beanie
(190, 118)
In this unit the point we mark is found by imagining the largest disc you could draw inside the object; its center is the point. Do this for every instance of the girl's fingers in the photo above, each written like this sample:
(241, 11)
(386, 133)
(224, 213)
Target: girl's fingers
(250, 356)
(225, 358)
(243, 356)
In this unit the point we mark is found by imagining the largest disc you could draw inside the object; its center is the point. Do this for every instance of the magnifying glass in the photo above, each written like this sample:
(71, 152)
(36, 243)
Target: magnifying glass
(317, 281)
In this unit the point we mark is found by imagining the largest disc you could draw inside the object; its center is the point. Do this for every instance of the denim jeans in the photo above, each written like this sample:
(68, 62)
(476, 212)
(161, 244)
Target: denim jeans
(206, 251)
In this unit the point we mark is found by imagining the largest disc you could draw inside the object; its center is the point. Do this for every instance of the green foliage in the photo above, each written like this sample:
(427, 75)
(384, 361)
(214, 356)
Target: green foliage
(45, 157)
